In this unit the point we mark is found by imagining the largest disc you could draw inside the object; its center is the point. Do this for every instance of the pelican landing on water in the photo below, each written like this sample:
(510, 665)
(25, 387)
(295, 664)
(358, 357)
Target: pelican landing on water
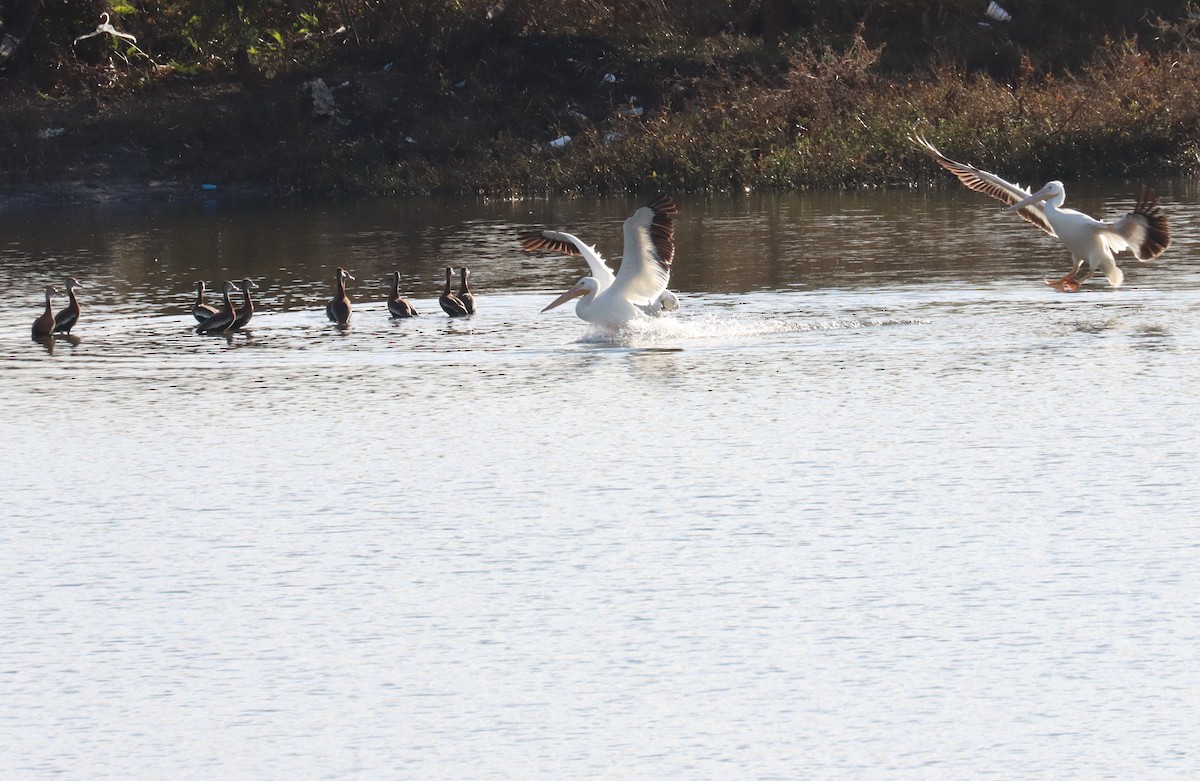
(640, 286)
(1091, 242)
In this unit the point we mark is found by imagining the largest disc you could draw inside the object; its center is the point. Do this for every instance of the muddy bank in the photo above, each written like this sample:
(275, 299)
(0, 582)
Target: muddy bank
(542, 114)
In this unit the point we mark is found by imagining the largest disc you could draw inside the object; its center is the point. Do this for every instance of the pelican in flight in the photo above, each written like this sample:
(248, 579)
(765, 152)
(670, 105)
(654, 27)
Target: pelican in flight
(1091, 242)
(640, 286)
(567, 244)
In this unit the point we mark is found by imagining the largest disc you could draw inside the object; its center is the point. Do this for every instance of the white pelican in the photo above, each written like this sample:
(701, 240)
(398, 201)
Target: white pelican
(1143, 231)
(649, 227)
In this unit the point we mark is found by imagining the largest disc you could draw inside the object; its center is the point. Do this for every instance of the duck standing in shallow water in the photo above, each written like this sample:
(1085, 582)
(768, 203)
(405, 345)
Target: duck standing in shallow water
(397, 306)
(246, 311)
(220, 322)
(44, 325)
(338, 308)
(200, 310)
(464, 291)
(65, 320)
(452, 304)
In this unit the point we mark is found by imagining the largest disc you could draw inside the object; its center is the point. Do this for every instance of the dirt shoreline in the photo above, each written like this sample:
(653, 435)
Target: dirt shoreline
(109, 191)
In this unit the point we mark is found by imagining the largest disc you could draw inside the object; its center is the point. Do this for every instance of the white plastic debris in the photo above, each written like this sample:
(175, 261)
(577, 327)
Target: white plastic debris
(105, 27)
(322, 97)
(610, 78)
(51, 132)
(994, 11)
(560, 142)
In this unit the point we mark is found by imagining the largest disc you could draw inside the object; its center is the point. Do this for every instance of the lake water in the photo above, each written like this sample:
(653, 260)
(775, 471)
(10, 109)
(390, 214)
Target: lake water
(875, 503)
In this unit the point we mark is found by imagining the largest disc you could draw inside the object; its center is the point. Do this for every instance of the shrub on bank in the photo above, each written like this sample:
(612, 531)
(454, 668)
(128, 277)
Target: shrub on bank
(468, 96)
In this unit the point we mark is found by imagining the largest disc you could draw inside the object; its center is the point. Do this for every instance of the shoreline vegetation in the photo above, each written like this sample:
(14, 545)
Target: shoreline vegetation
(532, 97)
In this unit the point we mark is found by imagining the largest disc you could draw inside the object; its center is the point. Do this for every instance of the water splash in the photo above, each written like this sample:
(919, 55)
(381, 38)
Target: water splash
(724, 328)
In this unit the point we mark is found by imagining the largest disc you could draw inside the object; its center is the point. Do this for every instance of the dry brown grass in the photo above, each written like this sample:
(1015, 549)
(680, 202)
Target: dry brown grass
(718, 113)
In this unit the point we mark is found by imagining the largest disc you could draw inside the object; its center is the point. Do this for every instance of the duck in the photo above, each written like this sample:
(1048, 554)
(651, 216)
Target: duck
(452, 304)
(246, 311)
(44, 325)
(65, 320)
(397, 305)
(464, 291)
(338, 308)
(200, 310)
(220, 322)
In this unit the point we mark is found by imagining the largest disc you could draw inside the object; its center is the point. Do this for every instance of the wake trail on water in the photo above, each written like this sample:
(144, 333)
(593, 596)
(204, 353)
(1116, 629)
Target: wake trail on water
(713, 328)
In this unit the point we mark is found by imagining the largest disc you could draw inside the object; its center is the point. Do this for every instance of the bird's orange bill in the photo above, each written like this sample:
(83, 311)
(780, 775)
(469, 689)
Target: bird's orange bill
(577, 290)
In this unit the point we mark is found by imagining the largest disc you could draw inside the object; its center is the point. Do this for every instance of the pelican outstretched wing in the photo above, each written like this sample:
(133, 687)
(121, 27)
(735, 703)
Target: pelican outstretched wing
(649, 251)
(987, 183)
(557, 241)
(1144, 231)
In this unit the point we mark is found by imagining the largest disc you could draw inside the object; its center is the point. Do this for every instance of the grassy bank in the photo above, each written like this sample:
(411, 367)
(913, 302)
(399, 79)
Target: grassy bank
(476, 112)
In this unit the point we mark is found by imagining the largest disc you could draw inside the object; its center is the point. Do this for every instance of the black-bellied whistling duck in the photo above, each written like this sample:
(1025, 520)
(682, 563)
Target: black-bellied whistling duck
(247, 309)
(44, 325)
(464, 291)
(338, 308)
(223, 319)
(65, 320)
(200, 310)
(452, 304)
(397, 305)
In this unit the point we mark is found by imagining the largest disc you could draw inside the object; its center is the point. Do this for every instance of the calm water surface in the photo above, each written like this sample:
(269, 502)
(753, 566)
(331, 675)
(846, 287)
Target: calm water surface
(875, 503)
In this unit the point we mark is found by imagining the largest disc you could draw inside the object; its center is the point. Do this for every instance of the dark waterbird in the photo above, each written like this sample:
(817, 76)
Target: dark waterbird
(464, 291)
(223, 319)
(452, 304)
(44, 325)
(397, 306)
(246, 311)
(200, 310)
(65, 320)
(338, 308)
